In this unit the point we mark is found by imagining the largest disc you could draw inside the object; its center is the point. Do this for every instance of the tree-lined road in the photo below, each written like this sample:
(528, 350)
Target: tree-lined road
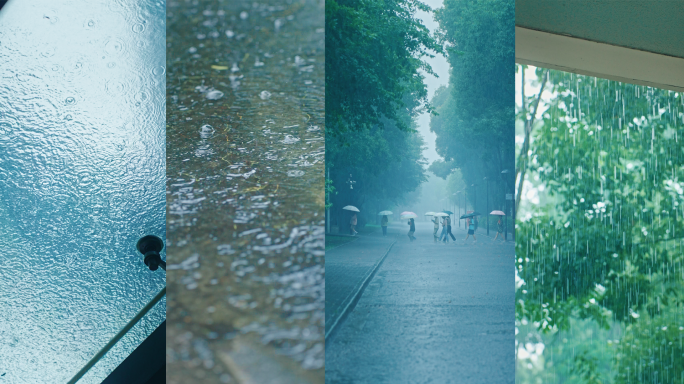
(433, 313)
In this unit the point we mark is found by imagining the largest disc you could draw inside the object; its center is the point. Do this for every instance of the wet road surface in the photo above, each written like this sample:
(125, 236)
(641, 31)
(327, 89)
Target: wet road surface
(433, 313)
(245, 139)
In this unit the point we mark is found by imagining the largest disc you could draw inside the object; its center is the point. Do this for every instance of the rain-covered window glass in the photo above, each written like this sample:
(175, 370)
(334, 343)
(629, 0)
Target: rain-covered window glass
(600, 284)
(82, 144)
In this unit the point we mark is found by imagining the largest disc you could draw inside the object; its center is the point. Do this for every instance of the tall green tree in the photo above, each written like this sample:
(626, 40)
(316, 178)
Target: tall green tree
(375, 52)
(475, 125)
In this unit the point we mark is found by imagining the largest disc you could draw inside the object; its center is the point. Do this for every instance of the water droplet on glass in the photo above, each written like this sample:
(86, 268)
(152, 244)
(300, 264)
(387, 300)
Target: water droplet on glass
(230, 34)
(265, 95)
(70, 100)
(244, 15)
(192, 50)
(159, 71)
(115, 46)
(115, 87)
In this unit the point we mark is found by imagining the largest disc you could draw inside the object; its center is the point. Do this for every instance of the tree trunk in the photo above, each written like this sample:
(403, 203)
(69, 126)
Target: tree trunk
(521, 164)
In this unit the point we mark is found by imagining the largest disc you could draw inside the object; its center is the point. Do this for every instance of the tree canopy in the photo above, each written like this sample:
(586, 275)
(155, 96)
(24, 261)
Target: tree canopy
(475, 123)
(609, 248)
(375, 52)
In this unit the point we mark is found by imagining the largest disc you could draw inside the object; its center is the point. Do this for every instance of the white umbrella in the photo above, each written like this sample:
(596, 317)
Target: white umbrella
(408, 215)
(498, 213)
(429, 213)
(351, 208)
(441, 214)
(383, 213)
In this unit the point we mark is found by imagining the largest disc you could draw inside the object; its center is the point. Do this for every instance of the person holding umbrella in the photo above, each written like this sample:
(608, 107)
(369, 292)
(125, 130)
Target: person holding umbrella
(412, 229)
(383, 223)
(412, 225)
(353, 221)
(352, 225)
(448, 220)
(470, 224)
(445, 224)
(499, 224)
(435, 220)
(499, 229)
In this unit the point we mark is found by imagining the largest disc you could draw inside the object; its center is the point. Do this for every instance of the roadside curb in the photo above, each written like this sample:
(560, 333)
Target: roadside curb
(357, 295)
(339, 245)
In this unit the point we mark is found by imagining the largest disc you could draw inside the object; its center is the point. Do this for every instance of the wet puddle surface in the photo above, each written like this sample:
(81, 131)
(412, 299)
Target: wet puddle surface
(245, 203)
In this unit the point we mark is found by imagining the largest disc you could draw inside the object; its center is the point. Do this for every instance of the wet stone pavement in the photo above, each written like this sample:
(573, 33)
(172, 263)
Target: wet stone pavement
(347, 267)
(433, 313)
(245, 160)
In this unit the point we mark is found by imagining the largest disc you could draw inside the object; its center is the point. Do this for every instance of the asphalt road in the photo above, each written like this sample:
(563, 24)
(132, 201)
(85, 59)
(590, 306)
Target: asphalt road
(432, 313)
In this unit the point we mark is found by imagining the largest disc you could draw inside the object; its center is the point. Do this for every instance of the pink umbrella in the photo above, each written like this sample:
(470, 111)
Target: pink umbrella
(498, 213)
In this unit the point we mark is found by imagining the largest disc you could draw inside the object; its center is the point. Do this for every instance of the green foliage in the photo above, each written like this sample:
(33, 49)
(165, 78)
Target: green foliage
(475, 122)
(386, 164)
(329, 190)
(583, 353)
(586, 368)
(652, 349)
(610, 247)
(374, 49)
(374, 90)
(442, 168)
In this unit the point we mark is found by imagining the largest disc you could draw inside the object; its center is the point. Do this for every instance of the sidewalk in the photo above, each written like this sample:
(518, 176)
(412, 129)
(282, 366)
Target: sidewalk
(432, 313)
(346, 269)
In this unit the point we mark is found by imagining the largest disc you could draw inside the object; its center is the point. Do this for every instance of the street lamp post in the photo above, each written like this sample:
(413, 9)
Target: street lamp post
(465, 200)
(351, 183)
(474, 197)
(453, 206)
(503, 173)
(487, 180)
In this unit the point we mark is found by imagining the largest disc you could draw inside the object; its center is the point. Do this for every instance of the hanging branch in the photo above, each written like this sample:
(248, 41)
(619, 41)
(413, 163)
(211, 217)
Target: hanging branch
(521, 164)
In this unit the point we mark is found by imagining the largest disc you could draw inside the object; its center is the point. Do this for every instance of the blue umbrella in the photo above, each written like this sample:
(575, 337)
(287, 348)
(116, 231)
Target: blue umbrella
(470, 215)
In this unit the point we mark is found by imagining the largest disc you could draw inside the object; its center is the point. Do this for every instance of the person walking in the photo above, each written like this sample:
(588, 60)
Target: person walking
(470, 224)
(412, 230)
(352, 225)
(443, 234)
(445, 226)
(499, 229)
(383, 224)
(435, 220)
(449, 229)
